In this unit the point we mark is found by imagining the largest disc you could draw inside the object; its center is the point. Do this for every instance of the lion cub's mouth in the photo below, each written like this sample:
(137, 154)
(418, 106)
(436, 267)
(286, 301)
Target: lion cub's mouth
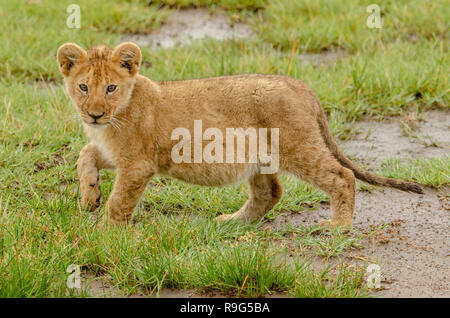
(96, 124)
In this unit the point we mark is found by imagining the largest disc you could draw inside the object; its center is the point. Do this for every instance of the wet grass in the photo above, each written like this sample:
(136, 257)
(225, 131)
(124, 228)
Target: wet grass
(175, 242)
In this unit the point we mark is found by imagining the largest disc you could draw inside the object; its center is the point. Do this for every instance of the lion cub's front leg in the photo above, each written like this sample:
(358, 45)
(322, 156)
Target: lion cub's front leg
(89, 163)
(128, 188)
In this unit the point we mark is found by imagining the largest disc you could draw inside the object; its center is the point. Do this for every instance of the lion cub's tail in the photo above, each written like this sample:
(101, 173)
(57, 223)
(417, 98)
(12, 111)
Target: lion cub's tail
(359, 172)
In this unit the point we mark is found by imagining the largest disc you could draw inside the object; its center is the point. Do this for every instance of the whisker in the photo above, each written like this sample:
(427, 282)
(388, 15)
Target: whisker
(119, 123)
(115, 124)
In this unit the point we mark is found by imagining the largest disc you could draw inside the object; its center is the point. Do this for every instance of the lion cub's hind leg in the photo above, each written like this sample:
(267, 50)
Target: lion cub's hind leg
(89, 163)
(265, 192)
(316, 165)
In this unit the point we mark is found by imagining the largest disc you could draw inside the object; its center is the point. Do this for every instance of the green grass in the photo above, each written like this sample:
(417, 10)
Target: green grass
(434, 172)
(176, 251)
(45, 22)
(319, 26)
(343, 282)
(175, 242)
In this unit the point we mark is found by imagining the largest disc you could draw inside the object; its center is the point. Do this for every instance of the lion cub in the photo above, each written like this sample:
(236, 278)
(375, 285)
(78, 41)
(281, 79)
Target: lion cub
(134, 125)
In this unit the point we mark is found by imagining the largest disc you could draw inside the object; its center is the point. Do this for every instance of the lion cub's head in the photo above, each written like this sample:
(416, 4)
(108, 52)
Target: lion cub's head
(100, 81)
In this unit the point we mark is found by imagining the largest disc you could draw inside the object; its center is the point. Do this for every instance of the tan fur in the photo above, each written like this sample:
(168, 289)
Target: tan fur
(133, 136)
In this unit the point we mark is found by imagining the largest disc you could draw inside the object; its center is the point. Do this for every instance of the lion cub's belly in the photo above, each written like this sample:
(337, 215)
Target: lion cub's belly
(214, 174)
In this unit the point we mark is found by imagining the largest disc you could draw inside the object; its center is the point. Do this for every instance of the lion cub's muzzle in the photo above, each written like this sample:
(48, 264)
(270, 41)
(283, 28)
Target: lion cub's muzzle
(96, 118)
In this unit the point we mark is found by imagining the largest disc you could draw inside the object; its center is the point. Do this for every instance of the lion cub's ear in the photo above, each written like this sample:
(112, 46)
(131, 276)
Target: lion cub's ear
(129, 56)
(68, 55)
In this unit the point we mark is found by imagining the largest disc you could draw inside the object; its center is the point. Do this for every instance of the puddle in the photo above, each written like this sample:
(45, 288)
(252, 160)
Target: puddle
(186, 25)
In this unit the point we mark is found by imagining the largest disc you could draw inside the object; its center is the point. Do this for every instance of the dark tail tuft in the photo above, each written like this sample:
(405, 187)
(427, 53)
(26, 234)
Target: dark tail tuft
(405, 186)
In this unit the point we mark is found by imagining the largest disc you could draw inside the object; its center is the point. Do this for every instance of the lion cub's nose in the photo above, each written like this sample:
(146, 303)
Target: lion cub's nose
(96, 116)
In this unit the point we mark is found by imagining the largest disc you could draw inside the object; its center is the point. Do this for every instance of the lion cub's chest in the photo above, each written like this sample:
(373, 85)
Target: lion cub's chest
(102, 139)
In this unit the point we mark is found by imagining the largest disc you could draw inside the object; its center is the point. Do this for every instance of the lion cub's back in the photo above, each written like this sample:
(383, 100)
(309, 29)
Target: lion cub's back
(237, 101)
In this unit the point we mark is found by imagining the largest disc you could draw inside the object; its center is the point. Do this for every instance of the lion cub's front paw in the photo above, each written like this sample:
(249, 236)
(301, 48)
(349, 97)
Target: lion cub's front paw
(90, 192)
(226, 217)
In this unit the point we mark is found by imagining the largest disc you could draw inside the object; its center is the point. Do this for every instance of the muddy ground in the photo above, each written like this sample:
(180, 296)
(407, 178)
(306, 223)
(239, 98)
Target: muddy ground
(377, 142)
(192, 24)
(413, 250)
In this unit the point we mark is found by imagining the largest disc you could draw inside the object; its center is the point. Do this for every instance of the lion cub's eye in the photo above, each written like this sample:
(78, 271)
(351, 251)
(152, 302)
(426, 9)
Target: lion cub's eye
(111, 88)
(83, 87)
